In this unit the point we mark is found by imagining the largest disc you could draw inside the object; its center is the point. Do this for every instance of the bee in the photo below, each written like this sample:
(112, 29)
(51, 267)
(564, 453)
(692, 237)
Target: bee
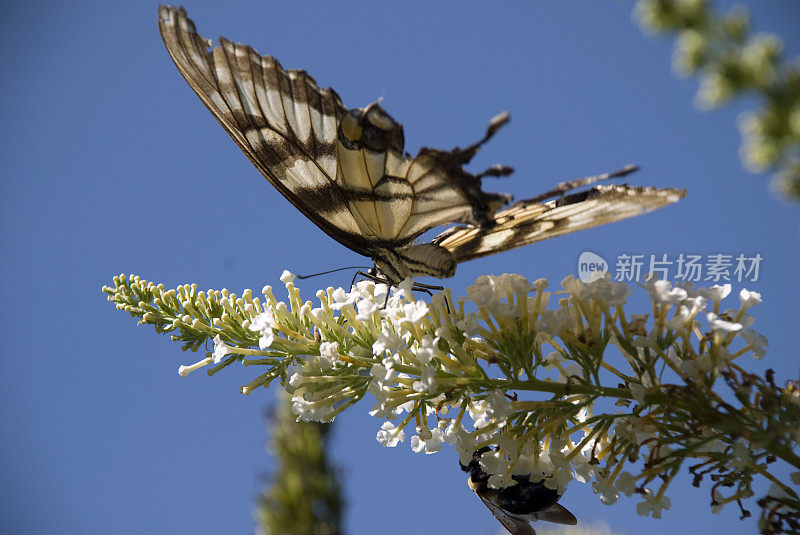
(519, 504)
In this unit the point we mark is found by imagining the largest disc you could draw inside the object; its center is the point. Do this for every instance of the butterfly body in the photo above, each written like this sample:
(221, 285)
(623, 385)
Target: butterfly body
(346, 170)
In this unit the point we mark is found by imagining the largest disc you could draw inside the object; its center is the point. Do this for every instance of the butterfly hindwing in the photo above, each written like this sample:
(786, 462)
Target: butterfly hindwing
(530, 221)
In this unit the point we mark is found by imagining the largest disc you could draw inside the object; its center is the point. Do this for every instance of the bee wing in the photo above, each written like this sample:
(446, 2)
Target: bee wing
(514, 525)
(558, 514)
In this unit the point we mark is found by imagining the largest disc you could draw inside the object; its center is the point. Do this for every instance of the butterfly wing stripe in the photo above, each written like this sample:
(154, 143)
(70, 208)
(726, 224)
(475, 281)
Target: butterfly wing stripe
(527, 222)
(438, 202)
(259, 120)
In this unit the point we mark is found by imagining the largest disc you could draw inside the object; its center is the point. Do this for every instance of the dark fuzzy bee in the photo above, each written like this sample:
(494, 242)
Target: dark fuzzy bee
(518, 505)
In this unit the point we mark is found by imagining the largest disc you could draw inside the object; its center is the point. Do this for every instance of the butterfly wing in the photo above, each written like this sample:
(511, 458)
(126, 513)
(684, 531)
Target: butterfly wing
(282, 121)
(368, 196)
(529, 221)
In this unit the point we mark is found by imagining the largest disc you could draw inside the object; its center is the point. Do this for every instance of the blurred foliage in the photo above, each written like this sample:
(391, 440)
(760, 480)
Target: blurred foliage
(582, 529)
(304, 495)
(732, 61)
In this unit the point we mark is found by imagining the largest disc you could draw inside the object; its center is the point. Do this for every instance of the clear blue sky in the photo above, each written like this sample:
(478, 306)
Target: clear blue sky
(110, 164)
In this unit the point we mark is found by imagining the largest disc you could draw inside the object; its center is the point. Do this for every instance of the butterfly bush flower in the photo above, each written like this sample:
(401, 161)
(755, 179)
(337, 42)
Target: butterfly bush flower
(559, 384)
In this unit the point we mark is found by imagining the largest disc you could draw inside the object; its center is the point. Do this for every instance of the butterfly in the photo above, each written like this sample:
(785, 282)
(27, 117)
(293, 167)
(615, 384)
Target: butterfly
(346, 170)
(517, 505)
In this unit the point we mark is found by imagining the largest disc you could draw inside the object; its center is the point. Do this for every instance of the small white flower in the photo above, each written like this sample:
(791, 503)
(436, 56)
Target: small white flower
(749, 298)
(716, 293)
(469, 325)
(287, 277)
(573, 369)
(427, 380)
(680, 320)
(311, 411)
(634, 429)
(608, 493)
(366, 308)
(551, 322)
(776, 491)
(495, 407)
(696, 368)
(696, 304)
(652, 505)
(662, 292)
(389, 341)
(416, 311)
(428, 441)
(482, 293)
(758, 343)
(583, 470)
(515, 283)
(221, 350)
(611, 293)
(296, 380)
(183, 371)
(714, 446)
(389, 435)
(341, 298)
(328, 354)
(463, 440)
(427, 349)
(625, 483)
(740, 456)
(381, 374)
(746, 319)
(574, 287)
(495, 462)
(262, 324)
(722, 325)
(554, 357)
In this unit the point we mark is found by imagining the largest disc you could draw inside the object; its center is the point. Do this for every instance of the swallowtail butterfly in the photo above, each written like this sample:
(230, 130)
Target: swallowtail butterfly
(346, 170)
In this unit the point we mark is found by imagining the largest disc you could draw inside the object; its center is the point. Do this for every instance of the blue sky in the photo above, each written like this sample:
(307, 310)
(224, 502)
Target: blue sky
(110, 164)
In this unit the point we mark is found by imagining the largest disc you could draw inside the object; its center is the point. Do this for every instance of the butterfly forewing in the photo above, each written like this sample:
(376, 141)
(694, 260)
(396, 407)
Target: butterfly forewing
(282, 121)
(365, 192)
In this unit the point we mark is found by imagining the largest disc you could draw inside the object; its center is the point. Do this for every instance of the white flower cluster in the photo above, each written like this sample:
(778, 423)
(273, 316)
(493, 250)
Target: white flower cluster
(449, 368)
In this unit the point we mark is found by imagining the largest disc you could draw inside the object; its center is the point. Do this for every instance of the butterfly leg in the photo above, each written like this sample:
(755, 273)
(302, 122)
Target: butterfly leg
(426, 288)
(379, 280)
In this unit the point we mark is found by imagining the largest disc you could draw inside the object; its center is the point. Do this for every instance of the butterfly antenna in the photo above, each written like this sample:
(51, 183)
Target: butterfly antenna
(326, 272)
